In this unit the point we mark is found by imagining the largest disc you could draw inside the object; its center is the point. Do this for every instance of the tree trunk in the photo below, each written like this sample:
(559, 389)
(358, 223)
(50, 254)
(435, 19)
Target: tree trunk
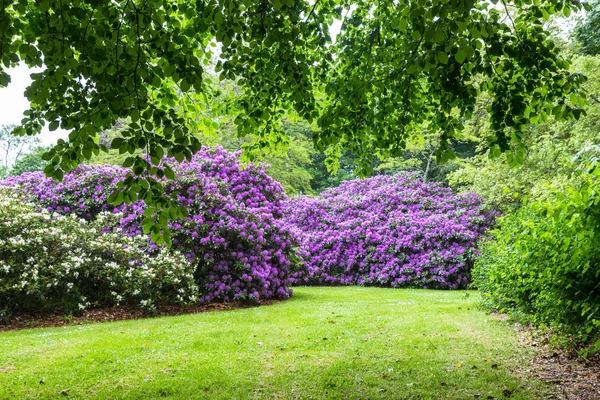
(428, 165)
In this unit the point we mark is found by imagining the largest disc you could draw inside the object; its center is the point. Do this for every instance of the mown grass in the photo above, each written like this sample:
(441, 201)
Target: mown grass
(330, 343)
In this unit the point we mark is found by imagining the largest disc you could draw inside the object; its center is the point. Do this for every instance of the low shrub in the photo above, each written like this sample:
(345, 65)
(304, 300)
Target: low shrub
(391, 231)
(50, 261)
(234, 235)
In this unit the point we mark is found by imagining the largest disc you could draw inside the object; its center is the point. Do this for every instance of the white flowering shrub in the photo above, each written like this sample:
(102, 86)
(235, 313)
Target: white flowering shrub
(56, 262)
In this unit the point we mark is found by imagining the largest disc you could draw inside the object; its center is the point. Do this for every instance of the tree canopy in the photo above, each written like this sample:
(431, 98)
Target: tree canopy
(393, 66)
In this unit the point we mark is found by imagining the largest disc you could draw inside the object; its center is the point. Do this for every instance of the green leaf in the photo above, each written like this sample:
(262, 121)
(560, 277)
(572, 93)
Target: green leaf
(185, 86)
(116, 143)
(402, 24)
(183, 212)
(169, 173)
(159, 152)
(4, 79)
(438, 37)
(147, 225)
(442, 57)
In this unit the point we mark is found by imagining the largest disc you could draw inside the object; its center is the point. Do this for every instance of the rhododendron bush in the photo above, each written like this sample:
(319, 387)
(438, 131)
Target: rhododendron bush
(391, 231)
(50, 261)
(233, 235)
(242, 237)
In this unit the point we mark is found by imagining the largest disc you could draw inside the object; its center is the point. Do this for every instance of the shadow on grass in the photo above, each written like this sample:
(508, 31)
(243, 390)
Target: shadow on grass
(299, 296)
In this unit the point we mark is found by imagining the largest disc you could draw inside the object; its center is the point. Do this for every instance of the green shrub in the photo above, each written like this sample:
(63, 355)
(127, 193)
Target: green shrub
(542, 263)
(54, 262)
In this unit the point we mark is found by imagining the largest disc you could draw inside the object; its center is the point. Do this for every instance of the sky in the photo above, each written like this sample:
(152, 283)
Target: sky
(13, 103)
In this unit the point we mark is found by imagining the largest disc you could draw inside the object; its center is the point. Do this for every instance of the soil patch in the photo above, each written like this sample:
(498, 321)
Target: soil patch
(109, 314)
(572, 377)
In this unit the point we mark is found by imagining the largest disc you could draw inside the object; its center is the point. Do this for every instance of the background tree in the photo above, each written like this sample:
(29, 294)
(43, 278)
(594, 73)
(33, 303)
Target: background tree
(322, 176)
(420, 157)
(290, 167)
(13, 147)
(549, 158)
(30, 162)
(587, 31)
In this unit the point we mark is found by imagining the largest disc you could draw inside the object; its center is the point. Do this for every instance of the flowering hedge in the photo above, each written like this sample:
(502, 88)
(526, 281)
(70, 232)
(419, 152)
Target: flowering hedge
(233, 235)
(242, 238)
(391, 231)
(50, 261)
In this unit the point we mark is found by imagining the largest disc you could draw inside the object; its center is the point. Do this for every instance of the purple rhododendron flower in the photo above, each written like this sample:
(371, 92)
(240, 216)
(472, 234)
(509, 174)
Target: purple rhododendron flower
(247, 240)
(393, 231)
(234, 233)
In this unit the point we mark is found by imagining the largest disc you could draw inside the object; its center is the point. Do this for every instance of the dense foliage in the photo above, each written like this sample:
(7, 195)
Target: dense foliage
(50, 261)
(543, 263)
(548, 160)
(231, 232)
(391, 67)
(391, 231)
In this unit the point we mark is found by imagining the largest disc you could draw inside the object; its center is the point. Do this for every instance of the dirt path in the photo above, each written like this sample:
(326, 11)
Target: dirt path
(572, 377)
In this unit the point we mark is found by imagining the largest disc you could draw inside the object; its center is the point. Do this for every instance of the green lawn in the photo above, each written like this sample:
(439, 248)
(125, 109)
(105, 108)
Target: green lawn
(341, 342)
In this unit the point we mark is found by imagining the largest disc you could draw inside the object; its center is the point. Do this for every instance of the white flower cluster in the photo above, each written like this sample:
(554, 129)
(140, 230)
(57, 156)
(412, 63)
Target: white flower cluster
(50, 261)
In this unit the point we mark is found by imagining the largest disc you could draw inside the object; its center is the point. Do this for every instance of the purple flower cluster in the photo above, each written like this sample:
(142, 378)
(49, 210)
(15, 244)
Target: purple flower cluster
(394, 231)
(234, 234)
(247, 240)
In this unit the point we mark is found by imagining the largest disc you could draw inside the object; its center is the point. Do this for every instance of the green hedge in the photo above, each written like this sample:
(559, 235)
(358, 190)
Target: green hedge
(542, 264)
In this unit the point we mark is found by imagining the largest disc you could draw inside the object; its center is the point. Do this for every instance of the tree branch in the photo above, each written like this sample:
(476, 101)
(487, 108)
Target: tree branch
(117, 40)
(510, 17)
(312, 10)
